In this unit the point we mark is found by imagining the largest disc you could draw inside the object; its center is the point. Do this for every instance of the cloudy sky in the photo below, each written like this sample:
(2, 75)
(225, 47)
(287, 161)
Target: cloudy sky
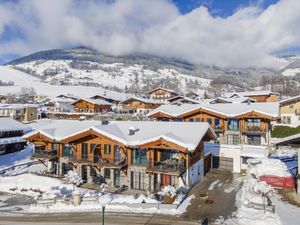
(227, 33)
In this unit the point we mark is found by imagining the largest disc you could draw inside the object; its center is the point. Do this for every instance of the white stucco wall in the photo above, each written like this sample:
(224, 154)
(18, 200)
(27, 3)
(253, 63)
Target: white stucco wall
(196, 173)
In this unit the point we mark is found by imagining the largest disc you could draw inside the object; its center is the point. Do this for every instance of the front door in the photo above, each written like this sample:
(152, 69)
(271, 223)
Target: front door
(117, 175)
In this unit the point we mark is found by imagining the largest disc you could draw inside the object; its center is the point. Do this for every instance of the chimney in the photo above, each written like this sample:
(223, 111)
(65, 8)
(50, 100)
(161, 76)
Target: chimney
(104, 122)
(132, 130)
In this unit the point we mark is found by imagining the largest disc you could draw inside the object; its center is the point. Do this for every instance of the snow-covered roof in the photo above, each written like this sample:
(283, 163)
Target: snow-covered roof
(228, 110)
(248, 93)
(178, 98)
(144, 100)
(165, 89)
(15, 106)
(8, 124)
(117, 98)
(93, 101)
(187, 135)
(291, 138)
(234, 99)
(295, 98)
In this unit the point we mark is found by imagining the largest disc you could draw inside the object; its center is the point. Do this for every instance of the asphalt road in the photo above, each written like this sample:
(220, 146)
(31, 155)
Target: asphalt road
(93, 219)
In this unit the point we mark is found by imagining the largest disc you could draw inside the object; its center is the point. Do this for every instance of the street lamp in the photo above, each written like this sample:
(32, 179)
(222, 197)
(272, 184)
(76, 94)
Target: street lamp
(103, 210)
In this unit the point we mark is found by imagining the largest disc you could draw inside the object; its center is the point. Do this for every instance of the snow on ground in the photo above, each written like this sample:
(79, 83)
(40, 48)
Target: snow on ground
(213, 184)
(15, 158)
(106, 199)
(289, 214)
(269, 167)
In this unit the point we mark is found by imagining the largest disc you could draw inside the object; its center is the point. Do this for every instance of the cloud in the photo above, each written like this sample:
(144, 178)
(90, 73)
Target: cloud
(246, 38)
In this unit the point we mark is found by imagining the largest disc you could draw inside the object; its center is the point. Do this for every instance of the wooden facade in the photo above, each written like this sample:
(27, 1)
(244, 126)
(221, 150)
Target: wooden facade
(95, 156)
(162, 94)
(250, 128)
(133, 105)
(83, 105)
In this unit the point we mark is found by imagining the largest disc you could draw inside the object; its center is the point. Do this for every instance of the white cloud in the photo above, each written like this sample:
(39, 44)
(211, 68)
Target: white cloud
(247, 38)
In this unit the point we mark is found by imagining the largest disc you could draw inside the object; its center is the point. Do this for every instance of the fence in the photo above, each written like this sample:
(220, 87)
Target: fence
(279, 182)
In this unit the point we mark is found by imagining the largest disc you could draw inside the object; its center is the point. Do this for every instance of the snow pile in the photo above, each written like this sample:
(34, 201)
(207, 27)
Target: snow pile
(72, 177)
(34, 185)
(132, 199)
(168, 191)
(213, 184)
(269, 167)
(284, 151)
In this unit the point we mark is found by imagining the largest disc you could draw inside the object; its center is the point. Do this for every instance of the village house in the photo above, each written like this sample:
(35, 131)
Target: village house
(142, 156)
(91, 105)
(182, 100)
(11, 132)
(114, 99)
(162, 94)
(237, 123)
(290, 111)
(140, 105)
(258, 96)
(20, 112)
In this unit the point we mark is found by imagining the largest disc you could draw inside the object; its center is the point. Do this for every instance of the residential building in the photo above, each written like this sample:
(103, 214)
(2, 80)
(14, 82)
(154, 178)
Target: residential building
(20, 112)
(11, 132)
(258, 96)
(235, 99)
(182, 99)
(290, 111)
(237, 123)
(91, 105)
(162, 94)
(140, 105)
(114, 99)
(141, 156)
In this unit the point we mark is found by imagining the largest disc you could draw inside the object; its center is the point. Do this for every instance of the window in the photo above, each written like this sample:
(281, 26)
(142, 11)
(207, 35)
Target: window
(217, 123)
(84, 151)
(198, 119)
(55, 146)
(286, 120)
(253, 122)
(138, 180)
(191, 119)
(254, 139)
(165, 119)
(106, 173)
(291, 106)
(209, 120)
(168, 154)
(233, 124)
(107, 149)
(67, 150)
(93, 147)
(233, 139)
(139, 157)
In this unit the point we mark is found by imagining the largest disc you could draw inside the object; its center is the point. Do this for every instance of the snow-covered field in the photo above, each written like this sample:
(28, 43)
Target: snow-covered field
(21, 79)
(108, 75)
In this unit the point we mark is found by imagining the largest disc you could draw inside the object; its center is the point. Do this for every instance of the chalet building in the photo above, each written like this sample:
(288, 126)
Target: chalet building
(290, 111)
(20, 112)
(198, 94)
(237, 123)
(162, 94)
(140, 105)
(114, 99)
(258, 96)
(143, 156)
(11, 132)
(91, 105)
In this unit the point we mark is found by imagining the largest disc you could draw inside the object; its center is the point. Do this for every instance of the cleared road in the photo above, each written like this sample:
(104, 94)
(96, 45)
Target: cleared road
(93, 219)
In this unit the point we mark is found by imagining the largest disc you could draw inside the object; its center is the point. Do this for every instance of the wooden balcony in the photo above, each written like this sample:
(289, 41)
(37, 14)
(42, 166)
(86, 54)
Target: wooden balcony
(255, 130)
(45, 154)
(117, 162)
(170, 166)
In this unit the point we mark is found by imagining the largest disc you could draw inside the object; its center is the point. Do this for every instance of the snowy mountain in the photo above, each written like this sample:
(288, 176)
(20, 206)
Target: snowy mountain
(293, 68)
(135, 72)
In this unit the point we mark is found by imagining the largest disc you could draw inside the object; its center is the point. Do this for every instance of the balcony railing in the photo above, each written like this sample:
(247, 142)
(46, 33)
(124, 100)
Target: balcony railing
(45, 153)
(255, 129)
(166, 166)
(98, 160)
(218, 128)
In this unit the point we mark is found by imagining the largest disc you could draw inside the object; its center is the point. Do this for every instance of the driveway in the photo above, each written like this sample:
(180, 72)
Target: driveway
(214, 196)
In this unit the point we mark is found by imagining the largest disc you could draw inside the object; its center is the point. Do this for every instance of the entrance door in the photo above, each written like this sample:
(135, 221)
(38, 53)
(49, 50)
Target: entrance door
(117, 179)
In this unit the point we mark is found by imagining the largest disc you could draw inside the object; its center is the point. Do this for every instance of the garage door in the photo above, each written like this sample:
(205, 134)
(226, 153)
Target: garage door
(223, 163)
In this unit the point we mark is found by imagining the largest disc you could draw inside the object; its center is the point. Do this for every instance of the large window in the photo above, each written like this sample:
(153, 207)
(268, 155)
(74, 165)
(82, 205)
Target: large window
(106, 173)
(138, 180)
(233, 139)
(139, 157)
(209, 120)
(233, 124)
(217, 123)
(253, 122)
(67, 150)
(254, 139)
(168, 154)
(84, 151)
(55, 146)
